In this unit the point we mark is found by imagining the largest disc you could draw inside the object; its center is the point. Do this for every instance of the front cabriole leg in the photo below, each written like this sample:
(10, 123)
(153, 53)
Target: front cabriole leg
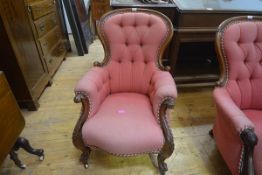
(250, 140)
(168, 146)
(77, 134)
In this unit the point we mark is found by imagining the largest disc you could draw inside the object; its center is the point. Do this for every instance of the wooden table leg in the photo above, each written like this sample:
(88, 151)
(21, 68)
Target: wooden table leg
(22, 142)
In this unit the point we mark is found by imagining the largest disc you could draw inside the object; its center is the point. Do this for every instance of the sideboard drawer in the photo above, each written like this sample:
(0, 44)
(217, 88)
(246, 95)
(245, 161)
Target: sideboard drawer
(42, 8)
(45, 24)
(49, 40)
(202, 20)
(54, 57)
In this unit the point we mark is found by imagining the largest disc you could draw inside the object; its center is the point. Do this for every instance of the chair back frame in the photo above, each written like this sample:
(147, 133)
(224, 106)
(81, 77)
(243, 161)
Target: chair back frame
(223, 65)
(101, 35)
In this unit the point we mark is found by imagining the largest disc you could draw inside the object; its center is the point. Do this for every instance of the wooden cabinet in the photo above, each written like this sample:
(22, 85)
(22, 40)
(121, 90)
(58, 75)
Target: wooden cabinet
(46, 27)
(98, 8)
(11, 119)
(31, 36)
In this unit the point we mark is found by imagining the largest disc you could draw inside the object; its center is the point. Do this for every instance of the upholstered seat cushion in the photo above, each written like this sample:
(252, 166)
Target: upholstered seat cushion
(255, 117)
(124, 125)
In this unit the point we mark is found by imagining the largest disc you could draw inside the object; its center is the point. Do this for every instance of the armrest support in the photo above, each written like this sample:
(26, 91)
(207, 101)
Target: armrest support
(231, 112)
(250, 140)
(162, 95)
(162, 87)
(169, 146)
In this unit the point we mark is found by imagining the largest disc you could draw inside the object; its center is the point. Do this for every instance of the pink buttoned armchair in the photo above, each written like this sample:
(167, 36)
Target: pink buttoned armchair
(126, 97)
(238, 125)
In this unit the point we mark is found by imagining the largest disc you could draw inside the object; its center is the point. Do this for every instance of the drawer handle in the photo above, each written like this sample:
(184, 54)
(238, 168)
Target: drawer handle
(59, 50)
(29, 9)
(42, 27)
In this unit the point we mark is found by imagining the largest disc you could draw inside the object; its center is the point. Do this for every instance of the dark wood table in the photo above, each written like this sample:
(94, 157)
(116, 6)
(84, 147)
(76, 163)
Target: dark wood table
(11, 119)
(11, 125)
(192, 53)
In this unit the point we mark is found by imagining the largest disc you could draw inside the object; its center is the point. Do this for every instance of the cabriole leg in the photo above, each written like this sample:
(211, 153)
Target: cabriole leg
(24, 143)
(161, 164)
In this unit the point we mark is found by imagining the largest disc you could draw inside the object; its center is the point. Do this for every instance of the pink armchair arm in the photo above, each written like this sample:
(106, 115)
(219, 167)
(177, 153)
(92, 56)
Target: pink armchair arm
(95, 86)
(237, 145)
(231, 112)
(162, 87)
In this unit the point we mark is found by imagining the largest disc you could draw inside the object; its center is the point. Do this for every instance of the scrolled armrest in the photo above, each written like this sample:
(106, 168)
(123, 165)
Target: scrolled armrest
(93, 87)
(231, 113)
(163, 87)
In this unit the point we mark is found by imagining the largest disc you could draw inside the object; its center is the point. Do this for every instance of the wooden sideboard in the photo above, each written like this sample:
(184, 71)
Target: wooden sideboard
(32, 47)
(11, 119)
(46, 26)
(192, 54)
(98, 8)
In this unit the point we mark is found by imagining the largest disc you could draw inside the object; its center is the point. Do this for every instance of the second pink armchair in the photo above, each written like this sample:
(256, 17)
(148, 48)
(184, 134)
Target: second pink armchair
(238, 125)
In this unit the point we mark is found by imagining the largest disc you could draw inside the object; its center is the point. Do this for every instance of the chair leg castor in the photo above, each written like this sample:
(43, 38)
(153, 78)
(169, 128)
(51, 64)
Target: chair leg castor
(85, 157)
(162, 166)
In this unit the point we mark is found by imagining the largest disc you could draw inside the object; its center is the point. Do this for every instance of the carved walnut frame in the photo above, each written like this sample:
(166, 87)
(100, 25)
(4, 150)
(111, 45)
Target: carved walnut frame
(248, 136)
(168, 103)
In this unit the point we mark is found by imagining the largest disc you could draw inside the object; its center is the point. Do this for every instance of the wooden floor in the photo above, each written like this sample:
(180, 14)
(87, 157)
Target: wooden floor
(51, 128)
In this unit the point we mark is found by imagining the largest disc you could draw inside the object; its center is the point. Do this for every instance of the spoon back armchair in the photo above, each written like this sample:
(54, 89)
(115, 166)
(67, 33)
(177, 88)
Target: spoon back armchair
(126, 97)
(238, 125)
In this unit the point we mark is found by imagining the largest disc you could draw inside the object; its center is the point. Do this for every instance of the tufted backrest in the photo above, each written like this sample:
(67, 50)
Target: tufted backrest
(134, 41)
(241, 49)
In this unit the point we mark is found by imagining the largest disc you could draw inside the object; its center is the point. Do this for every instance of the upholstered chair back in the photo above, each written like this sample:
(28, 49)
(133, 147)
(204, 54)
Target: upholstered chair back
(240, 44)
(133, 44)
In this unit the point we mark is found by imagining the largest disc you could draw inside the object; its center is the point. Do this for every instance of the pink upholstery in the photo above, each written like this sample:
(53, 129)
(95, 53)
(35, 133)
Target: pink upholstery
(232, 114)
(125, 125)
(239, 101)
(230, 121)
(95, 84)
(243, 48)
(134, 51)
(161, 87)
(125, 94)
